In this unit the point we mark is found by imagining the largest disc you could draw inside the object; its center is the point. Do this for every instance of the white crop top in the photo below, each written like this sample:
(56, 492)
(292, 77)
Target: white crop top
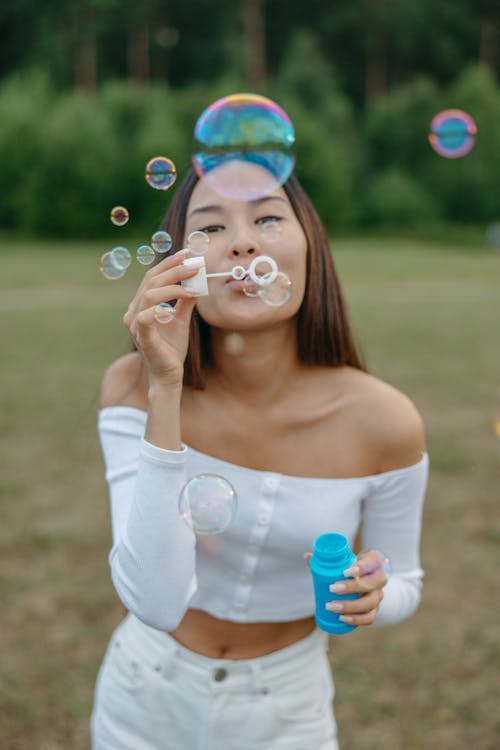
(254, 571)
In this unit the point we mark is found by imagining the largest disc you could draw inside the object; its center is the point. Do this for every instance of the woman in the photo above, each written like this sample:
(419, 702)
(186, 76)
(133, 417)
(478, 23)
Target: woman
(220, 649)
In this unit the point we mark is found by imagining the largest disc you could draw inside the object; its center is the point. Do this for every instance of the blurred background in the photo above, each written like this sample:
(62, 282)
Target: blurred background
(90, 90)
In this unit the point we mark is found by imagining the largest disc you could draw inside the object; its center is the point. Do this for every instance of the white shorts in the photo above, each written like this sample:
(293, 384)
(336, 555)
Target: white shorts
(154, 694)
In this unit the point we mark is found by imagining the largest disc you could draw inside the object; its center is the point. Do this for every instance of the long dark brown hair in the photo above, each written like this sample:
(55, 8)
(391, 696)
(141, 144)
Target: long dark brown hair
(324, 332)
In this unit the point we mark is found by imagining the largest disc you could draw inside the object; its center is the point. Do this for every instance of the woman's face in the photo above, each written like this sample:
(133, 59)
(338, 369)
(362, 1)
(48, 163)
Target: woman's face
(240, 231)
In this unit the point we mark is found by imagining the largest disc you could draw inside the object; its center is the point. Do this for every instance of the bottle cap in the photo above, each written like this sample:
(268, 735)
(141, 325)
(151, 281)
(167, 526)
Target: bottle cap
(332, 547)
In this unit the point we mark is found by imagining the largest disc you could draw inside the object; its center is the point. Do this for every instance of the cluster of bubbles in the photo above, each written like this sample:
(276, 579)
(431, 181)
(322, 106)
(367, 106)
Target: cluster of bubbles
(208, 503)
(254, 130)
(160, 174)
(262, 279)
(452, 133)
(116, 262)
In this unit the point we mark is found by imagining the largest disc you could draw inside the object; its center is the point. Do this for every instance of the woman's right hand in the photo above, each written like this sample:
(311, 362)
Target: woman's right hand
(162, 346)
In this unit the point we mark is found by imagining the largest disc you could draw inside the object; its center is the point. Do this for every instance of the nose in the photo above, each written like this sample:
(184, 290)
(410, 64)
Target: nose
(244, 245)
(243, 251)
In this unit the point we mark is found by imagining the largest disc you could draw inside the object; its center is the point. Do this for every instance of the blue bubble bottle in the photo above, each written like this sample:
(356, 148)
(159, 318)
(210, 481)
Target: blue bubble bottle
(331, 556)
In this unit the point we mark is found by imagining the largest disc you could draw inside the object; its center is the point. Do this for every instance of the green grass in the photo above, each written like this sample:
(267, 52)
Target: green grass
(428, 318)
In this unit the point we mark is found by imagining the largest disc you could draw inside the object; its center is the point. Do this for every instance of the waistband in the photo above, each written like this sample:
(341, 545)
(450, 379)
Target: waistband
(162, 652)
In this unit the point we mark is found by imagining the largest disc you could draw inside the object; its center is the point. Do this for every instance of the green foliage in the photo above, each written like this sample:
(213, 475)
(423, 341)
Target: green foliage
(394, 197)
(68, 158)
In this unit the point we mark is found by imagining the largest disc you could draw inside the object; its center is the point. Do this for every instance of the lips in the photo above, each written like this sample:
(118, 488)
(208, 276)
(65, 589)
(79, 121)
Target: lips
(235, 284)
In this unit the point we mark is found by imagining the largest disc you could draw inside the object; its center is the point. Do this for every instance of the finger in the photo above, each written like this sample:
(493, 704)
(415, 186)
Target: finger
(161, 275)
(369, 582)
(367, 563)
(368, 618)
(172, 275)
(184, 307)
(170, 261)
(153, 297)
(359, 584)
(360, 605)
(307, 557)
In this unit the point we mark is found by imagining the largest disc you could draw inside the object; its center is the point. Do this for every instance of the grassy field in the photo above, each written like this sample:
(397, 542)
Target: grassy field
(428, 318)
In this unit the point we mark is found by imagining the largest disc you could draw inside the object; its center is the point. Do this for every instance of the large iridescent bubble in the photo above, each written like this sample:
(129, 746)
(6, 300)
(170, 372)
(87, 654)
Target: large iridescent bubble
(452, 133)
(244, 128)
(208, 503)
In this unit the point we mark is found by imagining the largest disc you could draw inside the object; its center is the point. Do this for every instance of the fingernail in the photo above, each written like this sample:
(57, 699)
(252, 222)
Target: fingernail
(353, 571)
(345, 618)
(337, 588)
(334, 606)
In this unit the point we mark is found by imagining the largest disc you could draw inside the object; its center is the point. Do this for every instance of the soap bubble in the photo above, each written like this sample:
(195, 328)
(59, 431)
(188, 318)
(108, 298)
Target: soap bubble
(161, 241)
(119, 216)
(493, 236)
(109, 269)
(452, 133)
(160, 173)
(234, 344)
(208, 503)
(198, 242)
(496, 415)
(278, 292)
(121, 258)
(250, 288)
(145, 255)
(270, 231)
(380, 563)
(244, 128)
(164, 312)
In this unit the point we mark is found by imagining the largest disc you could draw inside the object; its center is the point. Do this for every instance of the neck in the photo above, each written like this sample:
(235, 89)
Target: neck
(255, 366)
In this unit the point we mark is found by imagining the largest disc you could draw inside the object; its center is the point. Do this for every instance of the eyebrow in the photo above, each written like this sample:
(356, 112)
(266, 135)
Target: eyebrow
(216, 207)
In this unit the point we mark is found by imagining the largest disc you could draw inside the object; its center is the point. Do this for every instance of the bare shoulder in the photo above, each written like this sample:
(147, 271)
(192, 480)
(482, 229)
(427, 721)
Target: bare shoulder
(392, 424)
(125, 383)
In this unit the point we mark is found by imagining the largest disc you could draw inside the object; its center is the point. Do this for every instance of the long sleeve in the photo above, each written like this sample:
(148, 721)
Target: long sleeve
(391, 523)
(152, 559)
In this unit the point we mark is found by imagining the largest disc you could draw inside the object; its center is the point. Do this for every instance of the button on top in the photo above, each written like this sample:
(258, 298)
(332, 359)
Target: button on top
(220, 674)
(271, 483)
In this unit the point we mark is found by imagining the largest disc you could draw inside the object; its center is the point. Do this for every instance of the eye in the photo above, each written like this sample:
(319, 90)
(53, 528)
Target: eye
(212, 228)
(268, 220)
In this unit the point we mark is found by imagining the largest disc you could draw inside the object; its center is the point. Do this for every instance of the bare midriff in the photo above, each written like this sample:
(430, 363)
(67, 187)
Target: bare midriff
(222, 639)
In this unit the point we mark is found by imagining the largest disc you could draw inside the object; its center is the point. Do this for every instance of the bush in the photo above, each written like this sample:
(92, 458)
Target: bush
(68, 158)
(394, 198)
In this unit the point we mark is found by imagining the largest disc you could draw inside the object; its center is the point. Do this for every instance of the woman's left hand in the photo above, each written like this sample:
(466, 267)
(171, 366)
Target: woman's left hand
(366, 577)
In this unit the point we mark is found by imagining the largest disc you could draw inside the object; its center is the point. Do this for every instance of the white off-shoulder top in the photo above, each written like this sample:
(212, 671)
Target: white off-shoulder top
(255, 570)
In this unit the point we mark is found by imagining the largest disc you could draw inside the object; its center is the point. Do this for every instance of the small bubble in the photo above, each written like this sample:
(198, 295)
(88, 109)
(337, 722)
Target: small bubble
(160, 173)
(119, 216)
(234, 344)
(109, 269)
(161, 241)
(145, 255)
(164, 312)
(452, 133)
(278, 292)
(121, 258)
(198, 242)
